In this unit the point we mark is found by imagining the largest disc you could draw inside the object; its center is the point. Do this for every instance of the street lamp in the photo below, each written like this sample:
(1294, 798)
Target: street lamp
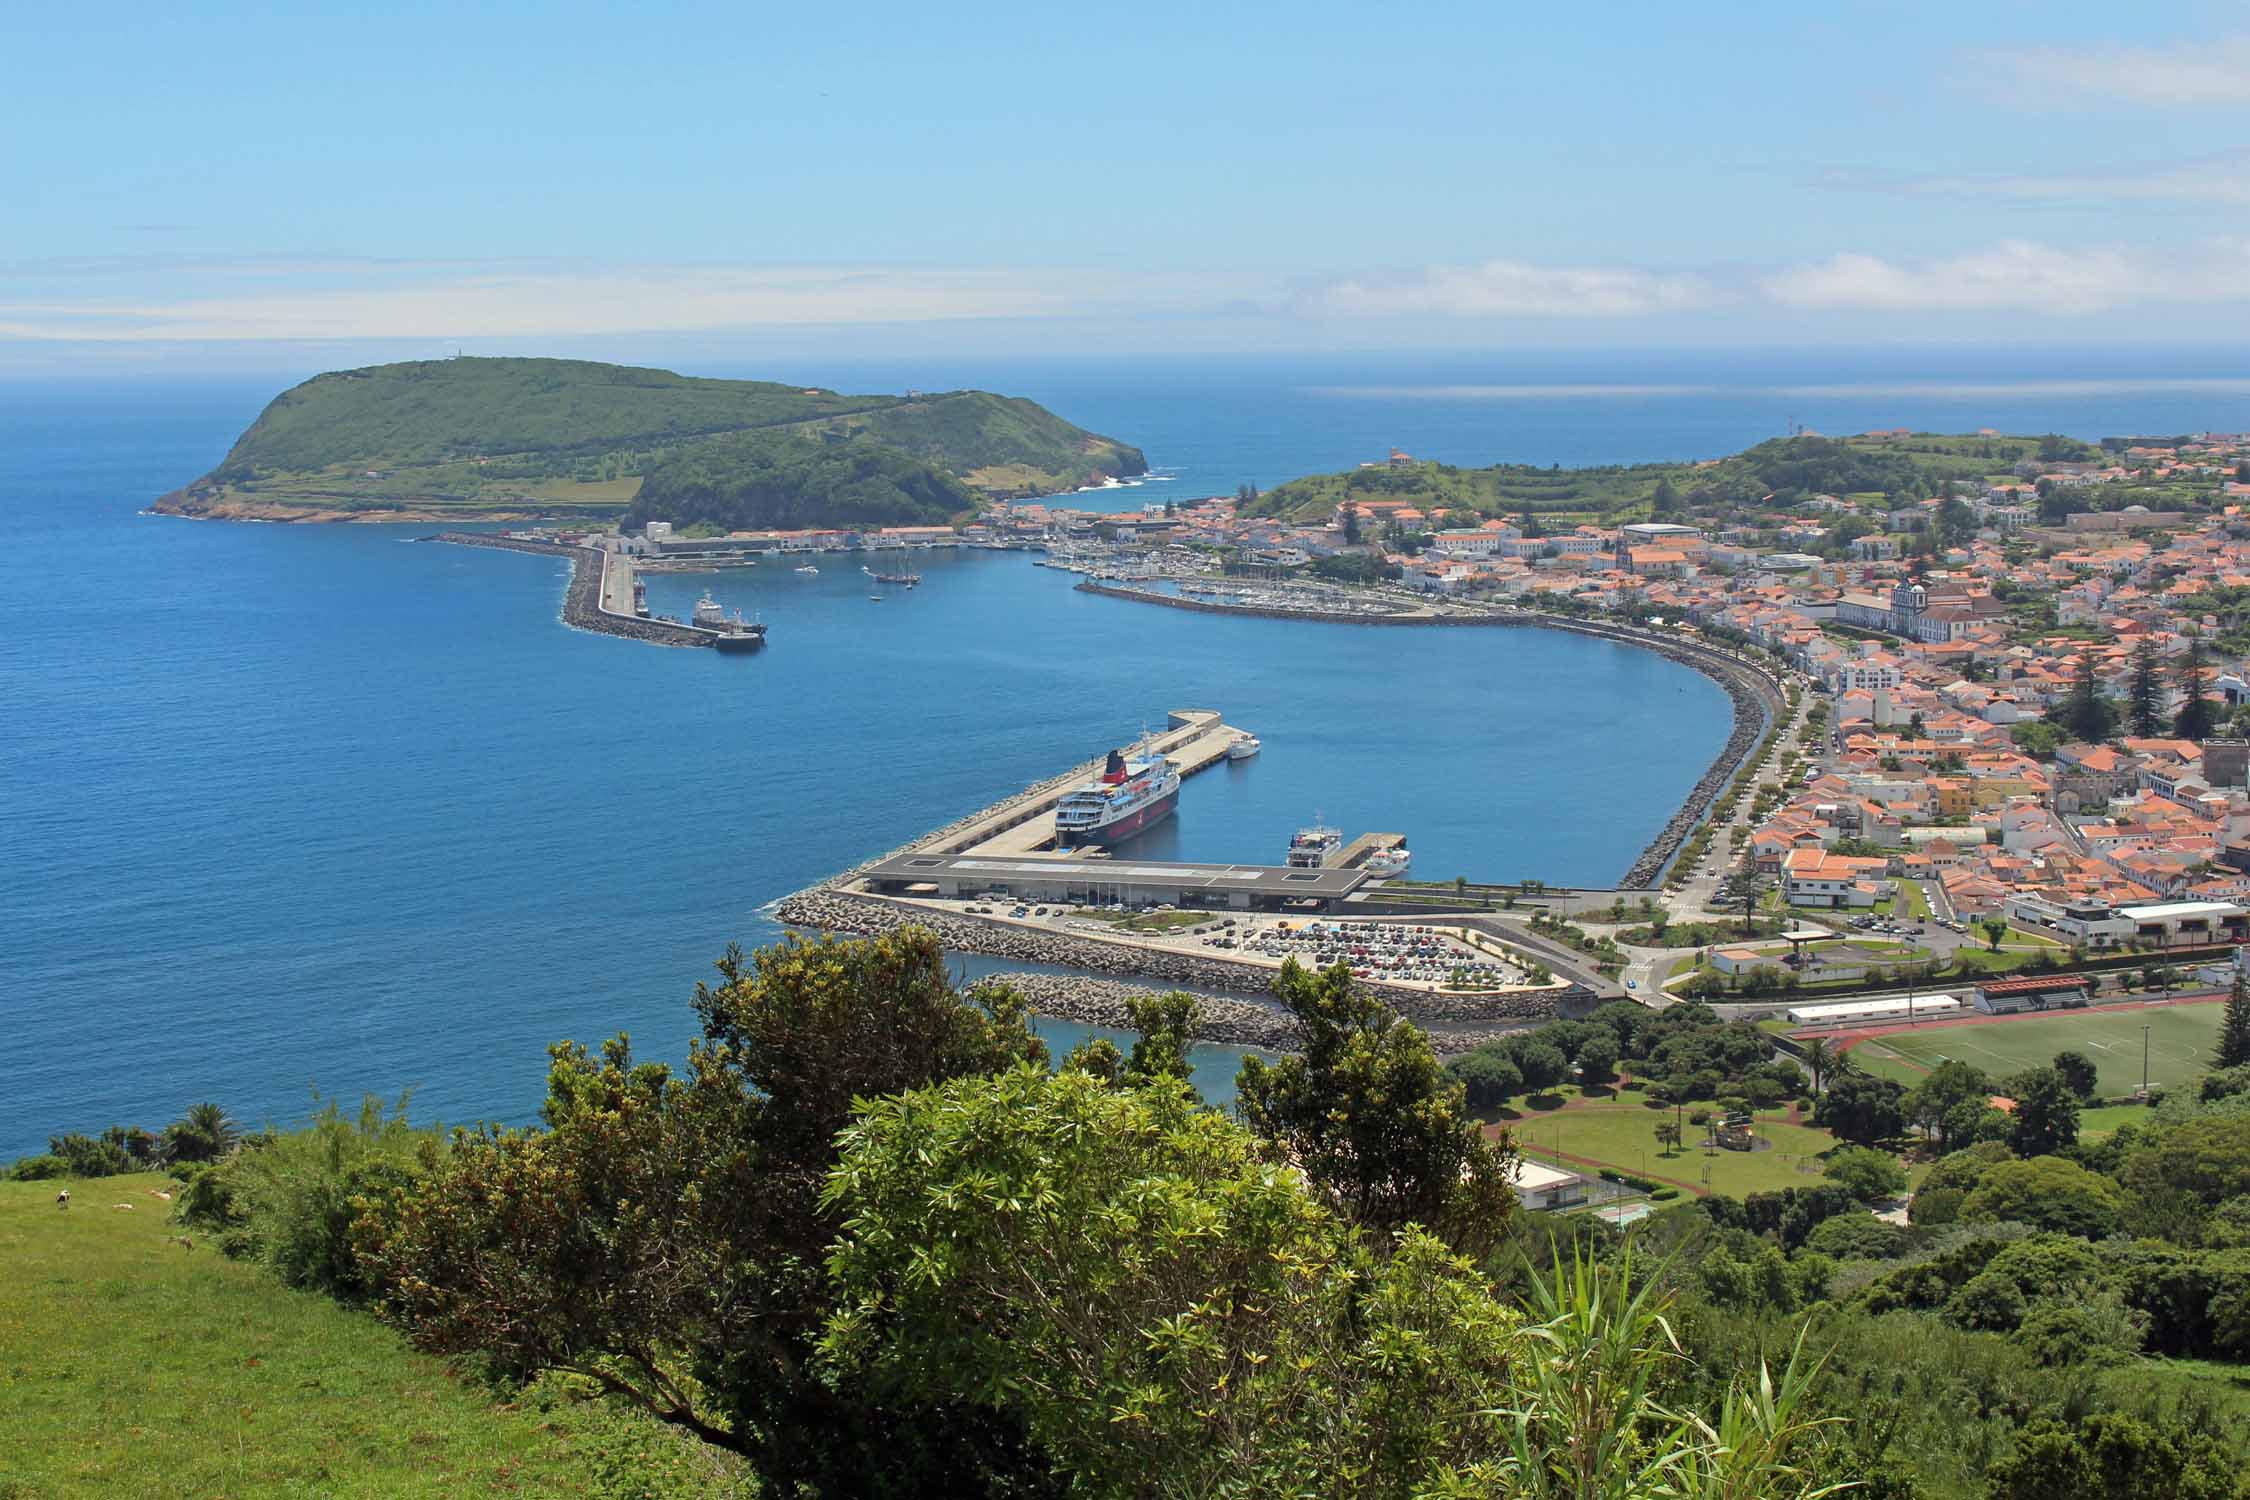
(2144, 1062)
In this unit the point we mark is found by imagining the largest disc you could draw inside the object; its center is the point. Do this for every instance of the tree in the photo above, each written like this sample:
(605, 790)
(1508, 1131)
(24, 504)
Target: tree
(1668, 1136)
(2234, 1027)
(2115, 1456)
(1994, 929)
(1868, 1175)
(204, 1133)
(1956, 523)
(1666, 499)
(1949, 1102)
(2086, 713)
(1351, 526)
(1164, 1023)
(2143, 717)
(1488, 1077)
(1820, 1057)
(2048, 1192)
(2046, 1113)
(2078, 1071)
(664, 1235)
(2193, 721)
(1541, 1064)
(1862, 1110)
(1597, 1060)
(1370, 1118)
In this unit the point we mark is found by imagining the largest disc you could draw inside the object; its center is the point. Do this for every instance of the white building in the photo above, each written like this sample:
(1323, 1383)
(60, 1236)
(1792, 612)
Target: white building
(1545, 1187)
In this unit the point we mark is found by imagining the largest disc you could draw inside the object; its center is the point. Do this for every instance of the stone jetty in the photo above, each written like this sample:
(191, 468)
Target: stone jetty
(582, 601)
(831, 910)
(1094, 1001)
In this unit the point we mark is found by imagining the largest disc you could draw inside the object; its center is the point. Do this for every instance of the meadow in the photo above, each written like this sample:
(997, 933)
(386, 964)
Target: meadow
(133, 1364)
(1618, 1130)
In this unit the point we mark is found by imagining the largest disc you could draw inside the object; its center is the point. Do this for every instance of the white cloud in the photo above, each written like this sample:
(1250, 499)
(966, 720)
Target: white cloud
(2014, 275)
(2187, 74)
(451, 301)
(1509, 288)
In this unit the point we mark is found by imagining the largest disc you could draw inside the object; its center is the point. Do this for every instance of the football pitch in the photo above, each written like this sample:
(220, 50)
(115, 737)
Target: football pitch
(2180, 1039)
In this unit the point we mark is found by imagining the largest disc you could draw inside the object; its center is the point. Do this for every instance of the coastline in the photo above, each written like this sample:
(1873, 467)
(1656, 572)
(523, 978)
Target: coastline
(1754, 693)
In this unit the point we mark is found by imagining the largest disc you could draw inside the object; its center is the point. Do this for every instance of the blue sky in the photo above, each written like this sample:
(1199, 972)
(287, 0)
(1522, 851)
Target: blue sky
(191, 184)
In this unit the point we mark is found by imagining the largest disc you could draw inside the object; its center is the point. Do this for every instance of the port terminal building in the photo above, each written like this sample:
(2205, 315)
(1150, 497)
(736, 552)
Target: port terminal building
(1075, 880)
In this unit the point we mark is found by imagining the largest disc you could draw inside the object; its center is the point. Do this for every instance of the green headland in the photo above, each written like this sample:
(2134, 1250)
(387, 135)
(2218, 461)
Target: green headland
(510, 438)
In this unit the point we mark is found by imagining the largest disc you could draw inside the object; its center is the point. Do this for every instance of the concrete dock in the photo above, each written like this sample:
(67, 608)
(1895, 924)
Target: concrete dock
(1354, 854)
(1194, 739)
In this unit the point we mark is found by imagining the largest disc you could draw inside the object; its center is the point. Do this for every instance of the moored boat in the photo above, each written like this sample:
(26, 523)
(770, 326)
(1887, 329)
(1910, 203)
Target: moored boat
(1127, 798)
(1310, 849)
(1242, 747)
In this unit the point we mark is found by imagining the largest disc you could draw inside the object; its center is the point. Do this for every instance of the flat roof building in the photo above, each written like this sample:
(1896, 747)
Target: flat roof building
(1078, 881)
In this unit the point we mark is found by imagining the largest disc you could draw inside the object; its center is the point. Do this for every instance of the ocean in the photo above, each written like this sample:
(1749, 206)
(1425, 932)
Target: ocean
(287, 810)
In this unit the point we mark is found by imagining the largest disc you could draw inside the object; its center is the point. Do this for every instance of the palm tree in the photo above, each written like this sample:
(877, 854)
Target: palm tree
(204, 1133)
(1820, 1056)
(1994, 929)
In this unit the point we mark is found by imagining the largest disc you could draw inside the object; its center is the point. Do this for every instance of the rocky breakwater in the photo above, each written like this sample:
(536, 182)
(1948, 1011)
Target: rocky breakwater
(582, 601)
(831, 910)
(1092, 1001)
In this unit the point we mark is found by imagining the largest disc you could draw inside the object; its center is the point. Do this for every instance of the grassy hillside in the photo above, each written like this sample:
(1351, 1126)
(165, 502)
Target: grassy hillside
(131, 1365)
(754, 480)
(1786, 468)
(551, 436)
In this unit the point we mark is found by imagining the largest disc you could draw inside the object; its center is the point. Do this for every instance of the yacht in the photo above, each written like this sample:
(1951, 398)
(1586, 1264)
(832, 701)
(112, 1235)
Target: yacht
(1242, 747)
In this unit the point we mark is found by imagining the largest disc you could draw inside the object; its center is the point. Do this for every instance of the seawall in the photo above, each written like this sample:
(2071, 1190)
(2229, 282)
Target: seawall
(831, 910)
(582, 601)
(1754, 692)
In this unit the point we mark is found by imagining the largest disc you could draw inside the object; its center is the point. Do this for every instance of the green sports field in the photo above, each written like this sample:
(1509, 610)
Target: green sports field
(2180, 1038)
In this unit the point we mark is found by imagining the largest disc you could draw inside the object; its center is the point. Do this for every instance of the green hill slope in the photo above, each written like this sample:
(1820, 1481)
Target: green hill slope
(491, 437)
(131, 1364)
(1785, 468)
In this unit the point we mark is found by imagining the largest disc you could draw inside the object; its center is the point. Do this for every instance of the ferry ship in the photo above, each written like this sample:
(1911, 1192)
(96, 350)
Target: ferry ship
(1310, 849)
(1128, 797)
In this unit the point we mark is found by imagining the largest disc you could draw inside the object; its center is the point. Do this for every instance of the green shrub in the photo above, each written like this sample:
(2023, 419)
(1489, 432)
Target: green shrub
(287, 1200)
(42, 1168)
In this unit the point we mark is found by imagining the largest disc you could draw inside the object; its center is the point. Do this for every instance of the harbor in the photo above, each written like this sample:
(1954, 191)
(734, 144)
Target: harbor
(1006, 881)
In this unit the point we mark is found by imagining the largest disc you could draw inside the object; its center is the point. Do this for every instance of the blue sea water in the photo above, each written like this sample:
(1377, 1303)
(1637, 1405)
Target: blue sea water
(286, 808)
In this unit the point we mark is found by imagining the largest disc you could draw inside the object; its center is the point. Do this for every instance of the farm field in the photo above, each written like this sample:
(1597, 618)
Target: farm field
(2180, 1039)
(1620, 1132)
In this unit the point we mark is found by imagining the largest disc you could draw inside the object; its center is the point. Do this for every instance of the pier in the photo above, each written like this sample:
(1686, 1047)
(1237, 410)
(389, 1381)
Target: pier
(600, 596)
(1355, 853)
(1194, 740)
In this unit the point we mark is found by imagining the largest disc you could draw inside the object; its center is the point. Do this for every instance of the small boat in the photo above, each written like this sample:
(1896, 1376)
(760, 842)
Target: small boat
(1242, 747)
(874, 598)
(1389, 864)
(808, 568)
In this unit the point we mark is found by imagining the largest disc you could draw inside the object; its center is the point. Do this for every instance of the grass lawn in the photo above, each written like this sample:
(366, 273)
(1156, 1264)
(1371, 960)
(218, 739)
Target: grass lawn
(1620, 1132)
(2180, 1039)
(1912, 901)
(130, 1365)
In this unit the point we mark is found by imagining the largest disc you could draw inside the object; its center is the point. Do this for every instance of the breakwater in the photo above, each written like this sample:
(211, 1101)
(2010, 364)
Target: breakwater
(831, 910)
(1754, 692)
(1093, 1001)
(582, 601)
